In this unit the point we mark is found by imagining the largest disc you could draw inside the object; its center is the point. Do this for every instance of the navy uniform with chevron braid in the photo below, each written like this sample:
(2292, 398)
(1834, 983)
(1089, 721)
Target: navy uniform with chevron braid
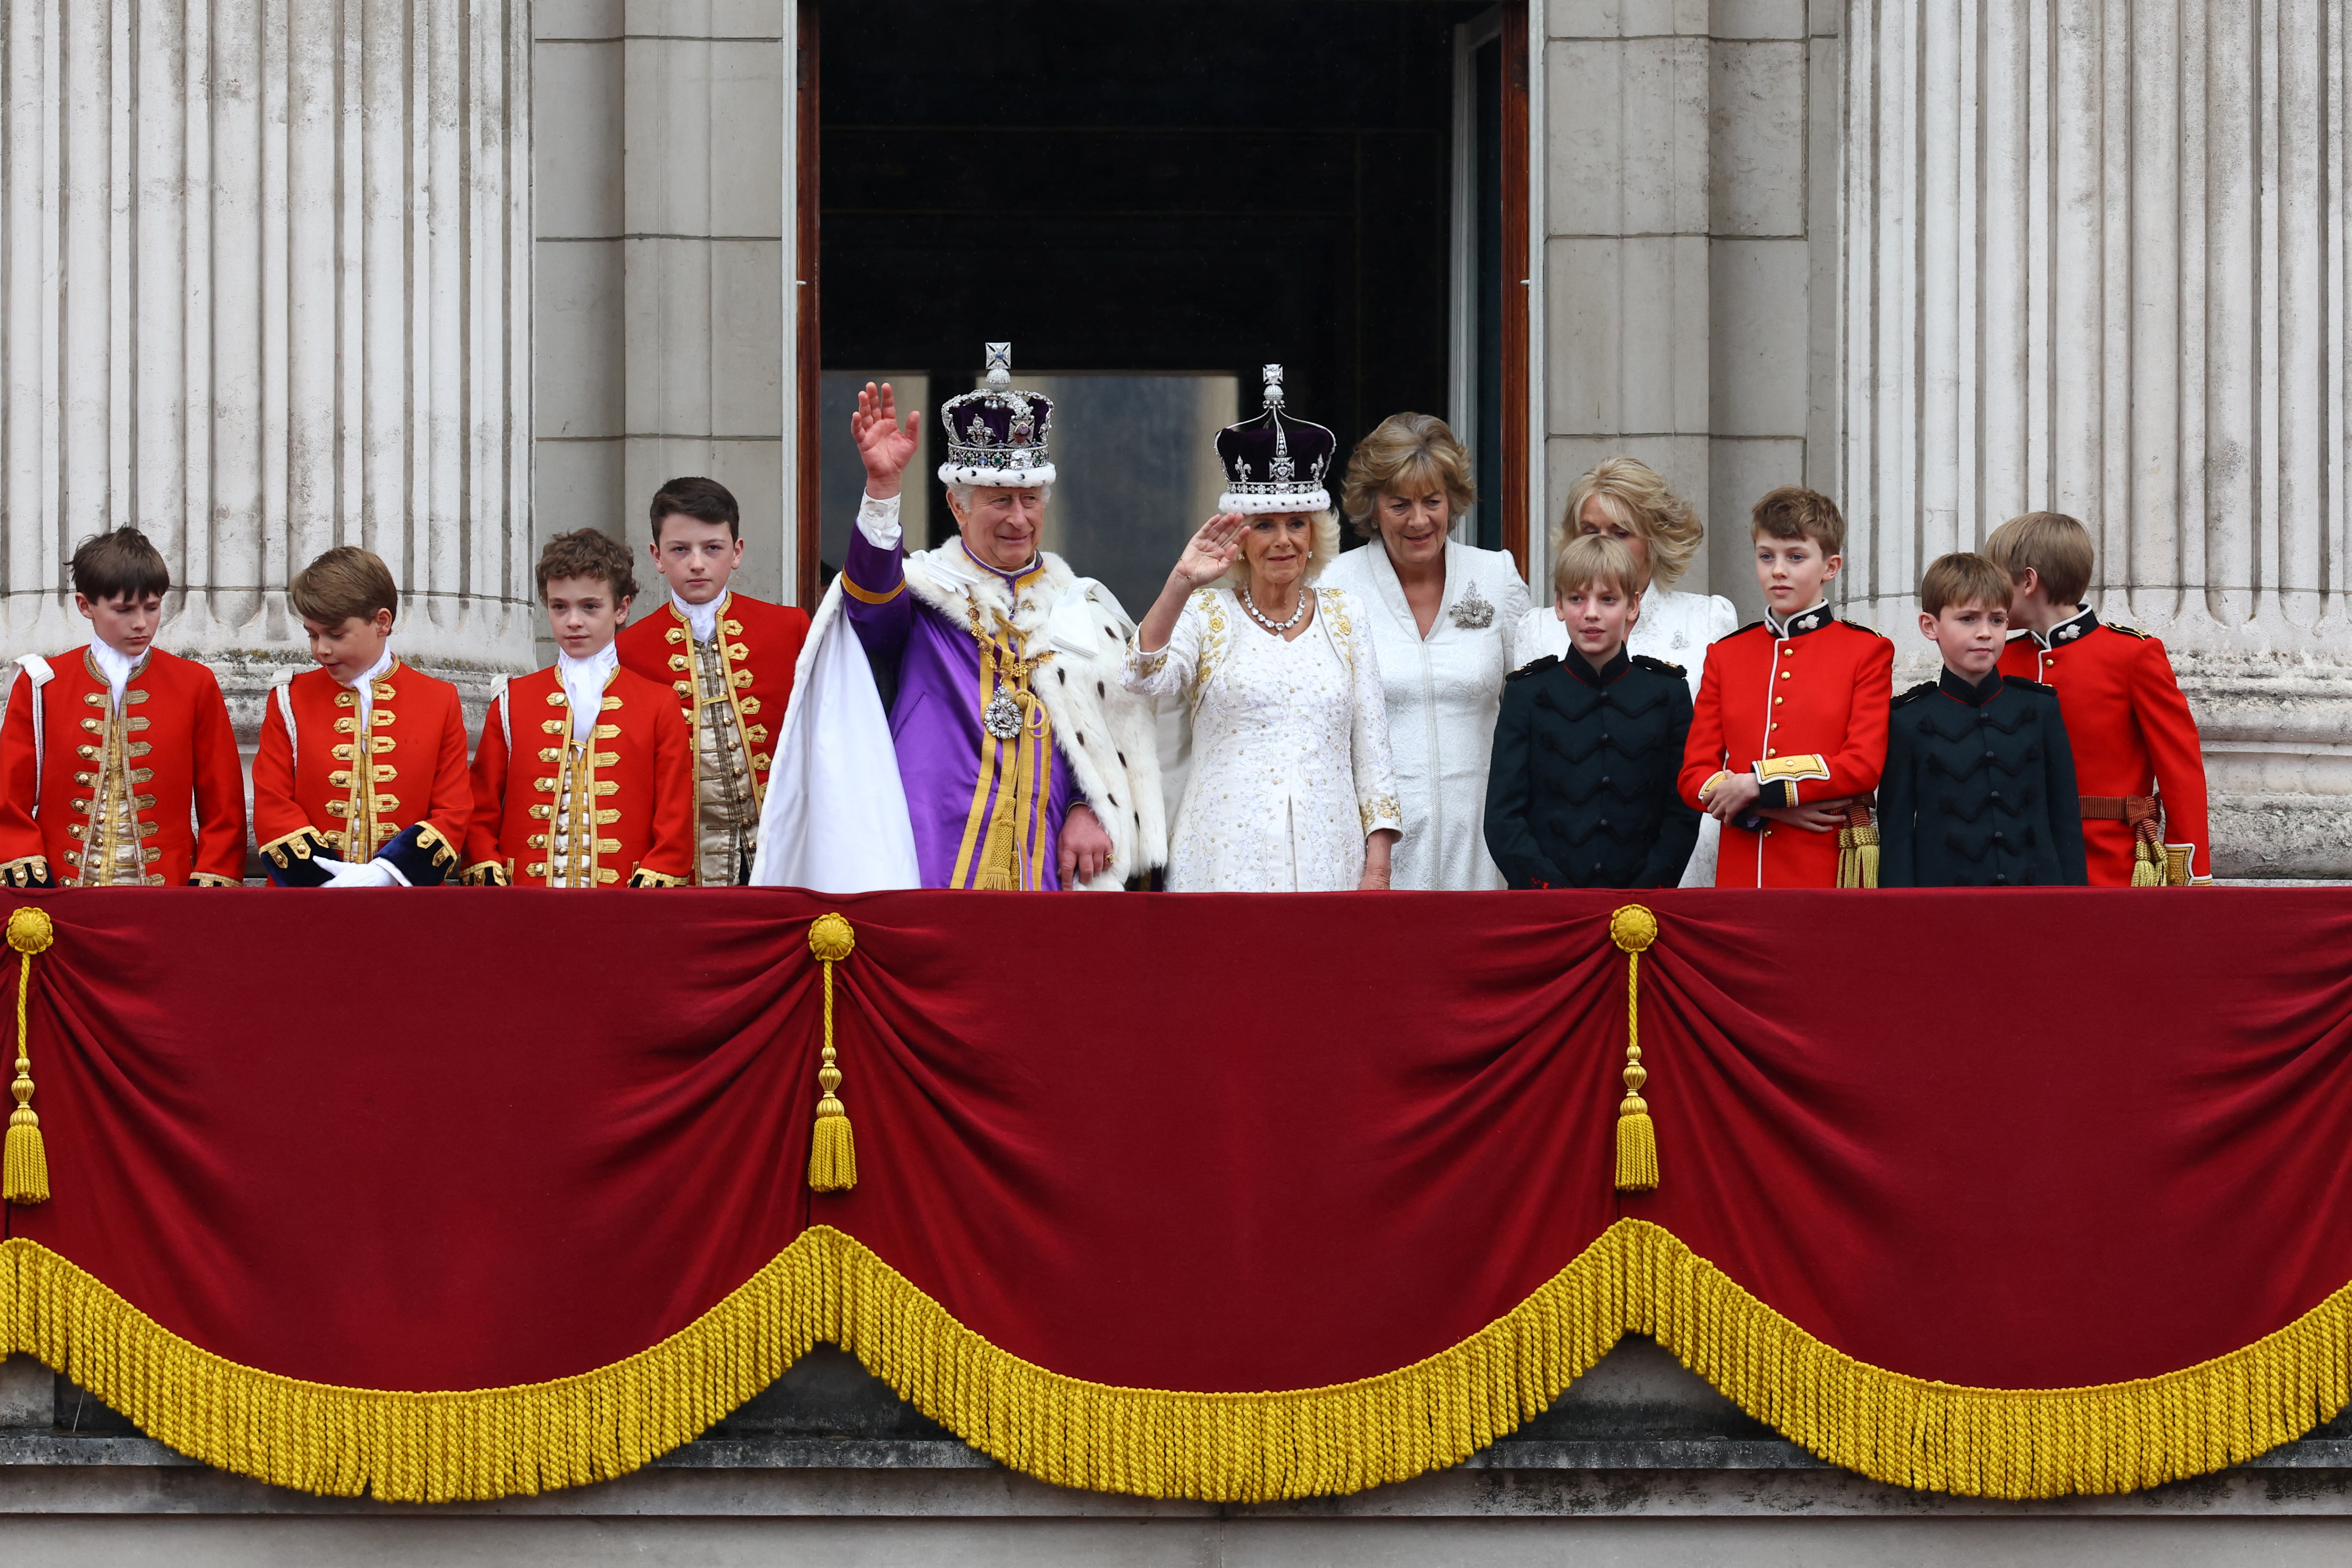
(1978, 789)
(1581, 792)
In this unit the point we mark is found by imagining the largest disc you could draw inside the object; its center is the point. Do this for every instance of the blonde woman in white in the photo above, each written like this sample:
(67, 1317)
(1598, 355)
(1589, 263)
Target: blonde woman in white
(1290, 787)
(1627, 500)
(1444, 615)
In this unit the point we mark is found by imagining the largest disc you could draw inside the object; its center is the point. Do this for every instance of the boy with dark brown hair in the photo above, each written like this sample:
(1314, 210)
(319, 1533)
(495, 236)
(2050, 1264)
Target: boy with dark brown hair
(361, 778)
(1789, 730)
(582, 778)
(1978, 789)
(2137, 754)
(119, 764)
(731, 659)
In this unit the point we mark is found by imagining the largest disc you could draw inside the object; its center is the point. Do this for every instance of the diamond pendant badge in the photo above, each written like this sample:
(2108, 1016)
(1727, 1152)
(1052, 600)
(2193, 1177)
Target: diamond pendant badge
(1001, 717)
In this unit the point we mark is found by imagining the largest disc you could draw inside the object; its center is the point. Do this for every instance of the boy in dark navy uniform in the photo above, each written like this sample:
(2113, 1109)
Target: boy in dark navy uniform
(1978, 789)
(1582, 788)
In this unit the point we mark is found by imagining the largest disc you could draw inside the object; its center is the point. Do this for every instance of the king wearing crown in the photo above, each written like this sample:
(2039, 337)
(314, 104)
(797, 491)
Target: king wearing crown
(961, 721)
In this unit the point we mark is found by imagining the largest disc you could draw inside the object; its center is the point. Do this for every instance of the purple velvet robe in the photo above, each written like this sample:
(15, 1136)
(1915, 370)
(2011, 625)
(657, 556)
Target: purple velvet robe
(935, 714)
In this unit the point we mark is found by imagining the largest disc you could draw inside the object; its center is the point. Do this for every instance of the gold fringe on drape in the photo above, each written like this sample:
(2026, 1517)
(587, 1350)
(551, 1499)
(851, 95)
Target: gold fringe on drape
(1238, 1448)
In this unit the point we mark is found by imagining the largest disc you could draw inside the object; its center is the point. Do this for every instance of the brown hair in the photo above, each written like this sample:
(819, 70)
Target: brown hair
(120, 565)
(706, 500)
(1794, 512)
(1958, 581)
(2051, 545)
(1596, 558)
(1405, 449)
(1638, 496)
(347, 583)
(586, 552)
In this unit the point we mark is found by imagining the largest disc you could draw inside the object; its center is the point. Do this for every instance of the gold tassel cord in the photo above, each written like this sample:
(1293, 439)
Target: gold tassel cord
(832, 1153)
(24, 1159)
(1635, 1278)
(1634, 928)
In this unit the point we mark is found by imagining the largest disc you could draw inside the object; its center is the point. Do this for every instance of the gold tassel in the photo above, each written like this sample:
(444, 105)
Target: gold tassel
(833, 1153)
(25, 1160)
(1849, 873)
(1634, 928)
(2144, 872)
(1865, 834)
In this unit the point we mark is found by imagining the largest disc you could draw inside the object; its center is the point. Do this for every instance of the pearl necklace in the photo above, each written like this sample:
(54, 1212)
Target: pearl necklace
(1277, 628)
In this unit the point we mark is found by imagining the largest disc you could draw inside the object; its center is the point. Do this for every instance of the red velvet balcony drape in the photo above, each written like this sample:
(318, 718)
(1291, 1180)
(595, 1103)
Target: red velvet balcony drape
(469, 1192)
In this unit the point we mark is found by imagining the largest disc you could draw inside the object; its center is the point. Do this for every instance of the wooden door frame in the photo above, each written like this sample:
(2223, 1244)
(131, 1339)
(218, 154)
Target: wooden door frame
(1518, 284)
(808, 359)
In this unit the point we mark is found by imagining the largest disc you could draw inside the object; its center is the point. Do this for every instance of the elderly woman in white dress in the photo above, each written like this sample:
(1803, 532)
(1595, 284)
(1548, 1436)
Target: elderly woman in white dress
(1627, 500)
(1444, 616)
(1290, 787)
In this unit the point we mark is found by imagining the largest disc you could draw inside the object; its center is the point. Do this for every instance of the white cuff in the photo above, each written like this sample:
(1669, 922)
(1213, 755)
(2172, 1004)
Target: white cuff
(879, 521)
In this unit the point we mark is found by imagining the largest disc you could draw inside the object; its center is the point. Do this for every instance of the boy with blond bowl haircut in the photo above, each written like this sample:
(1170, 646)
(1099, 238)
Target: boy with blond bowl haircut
(1581, 790)
(731, 659)
(1789, 730)
(361, 778)
(2137, 755)
(582, 778)
(117, 761)
(1980, 784)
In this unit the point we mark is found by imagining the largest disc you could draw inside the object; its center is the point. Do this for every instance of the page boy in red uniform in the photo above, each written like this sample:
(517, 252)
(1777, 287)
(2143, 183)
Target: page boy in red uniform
(2136, 756)
(120, 767)
(1789, 735)
(361, 779)
(729, 658)
(582, 778)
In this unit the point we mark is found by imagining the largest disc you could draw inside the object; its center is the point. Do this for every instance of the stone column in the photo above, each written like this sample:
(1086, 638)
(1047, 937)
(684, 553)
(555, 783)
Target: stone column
(664, 337)
(1690, 253)
(265, 288)
(2097, 266)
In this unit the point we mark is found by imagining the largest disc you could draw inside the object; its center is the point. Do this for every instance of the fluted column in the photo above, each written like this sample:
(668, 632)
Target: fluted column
(2096, 263)
(264, 287)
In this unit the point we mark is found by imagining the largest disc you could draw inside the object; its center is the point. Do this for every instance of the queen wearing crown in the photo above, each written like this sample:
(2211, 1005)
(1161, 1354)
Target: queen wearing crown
(1290, 789)
(959, 719)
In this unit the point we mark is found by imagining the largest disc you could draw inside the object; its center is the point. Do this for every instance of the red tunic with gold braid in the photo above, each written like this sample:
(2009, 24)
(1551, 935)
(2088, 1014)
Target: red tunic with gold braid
(2137, 760)
(733, 693)
(388, 783)
(147, 794)
(552, 811)
(1806, 713)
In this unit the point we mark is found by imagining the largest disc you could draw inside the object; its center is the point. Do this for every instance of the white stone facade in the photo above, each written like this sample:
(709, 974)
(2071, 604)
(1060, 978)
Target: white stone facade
(443, 276)
(1952, 262)
(264, 287)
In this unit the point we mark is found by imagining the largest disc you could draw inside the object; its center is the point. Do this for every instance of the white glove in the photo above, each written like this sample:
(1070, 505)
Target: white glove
(369, 874)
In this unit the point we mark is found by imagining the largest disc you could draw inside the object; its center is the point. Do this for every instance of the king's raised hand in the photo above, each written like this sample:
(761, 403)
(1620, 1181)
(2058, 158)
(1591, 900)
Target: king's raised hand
(883, 445)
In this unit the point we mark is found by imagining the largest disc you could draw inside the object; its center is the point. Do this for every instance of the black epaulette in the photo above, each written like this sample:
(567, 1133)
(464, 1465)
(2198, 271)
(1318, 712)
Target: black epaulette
(2022, 684)
(1534, 666)
(1643, 662)
(1915, 693)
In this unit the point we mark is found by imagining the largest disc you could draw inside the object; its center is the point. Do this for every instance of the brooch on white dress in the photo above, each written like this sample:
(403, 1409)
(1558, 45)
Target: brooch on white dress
(1470, 612)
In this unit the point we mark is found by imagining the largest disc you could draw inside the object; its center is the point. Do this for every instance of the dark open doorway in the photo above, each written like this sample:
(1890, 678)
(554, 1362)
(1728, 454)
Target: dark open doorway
(1180, 188)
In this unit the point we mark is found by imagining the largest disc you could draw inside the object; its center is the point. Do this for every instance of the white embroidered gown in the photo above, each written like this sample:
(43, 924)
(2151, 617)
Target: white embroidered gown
(1676, 627)
(1290, 747)
(1442, 692)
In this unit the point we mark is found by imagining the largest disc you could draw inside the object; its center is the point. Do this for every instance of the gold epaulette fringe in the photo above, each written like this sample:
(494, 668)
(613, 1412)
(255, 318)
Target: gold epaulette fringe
(1238, 1448)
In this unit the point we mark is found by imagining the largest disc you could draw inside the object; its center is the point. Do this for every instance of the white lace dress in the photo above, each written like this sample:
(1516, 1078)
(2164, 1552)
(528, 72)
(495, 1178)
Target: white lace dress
(1676, 627)
(1290, 747)
(1443, 693)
